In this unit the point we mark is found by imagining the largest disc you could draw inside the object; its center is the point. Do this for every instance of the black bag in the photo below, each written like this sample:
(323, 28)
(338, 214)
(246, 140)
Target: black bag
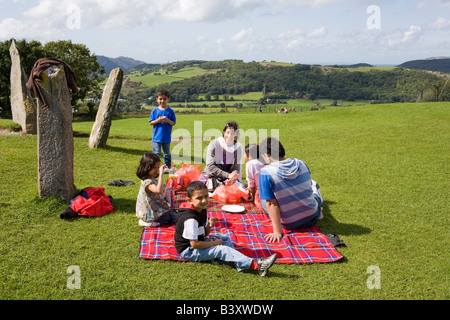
(213, 182)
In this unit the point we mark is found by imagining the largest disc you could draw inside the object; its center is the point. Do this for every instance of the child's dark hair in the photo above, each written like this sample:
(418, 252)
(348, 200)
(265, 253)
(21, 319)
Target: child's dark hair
(163, 92)
(148, 162)
(252, 149)
(194, 186)
(273, 147)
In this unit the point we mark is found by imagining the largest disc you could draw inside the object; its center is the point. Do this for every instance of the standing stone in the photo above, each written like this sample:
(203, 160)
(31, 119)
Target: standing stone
(23, 107)
(100, 129)
(55, 136)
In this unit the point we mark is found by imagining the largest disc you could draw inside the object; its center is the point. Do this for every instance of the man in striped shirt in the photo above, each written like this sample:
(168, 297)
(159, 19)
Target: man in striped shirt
(287, 192)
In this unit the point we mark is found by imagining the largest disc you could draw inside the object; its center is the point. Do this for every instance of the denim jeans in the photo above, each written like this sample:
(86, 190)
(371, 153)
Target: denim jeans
(156, 148)
(225, 252)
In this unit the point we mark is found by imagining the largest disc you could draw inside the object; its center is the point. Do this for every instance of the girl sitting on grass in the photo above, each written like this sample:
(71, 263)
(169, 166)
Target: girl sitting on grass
(152, 209)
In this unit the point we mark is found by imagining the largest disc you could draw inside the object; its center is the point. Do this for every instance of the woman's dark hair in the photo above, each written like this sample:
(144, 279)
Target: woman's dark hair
(194, 186)
(273, 147)
(231, 124)
(148, 162)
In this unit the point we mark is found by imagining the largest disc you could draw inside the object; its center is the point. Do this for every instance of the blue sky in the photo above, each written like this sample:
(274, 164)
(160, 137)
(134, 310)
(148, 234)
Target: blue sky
(299, 31)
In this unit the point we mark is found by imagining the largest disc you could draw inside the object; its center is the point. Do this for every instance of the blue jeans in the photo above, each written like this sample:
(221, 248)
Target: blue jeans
(156, 148)
(225, 252)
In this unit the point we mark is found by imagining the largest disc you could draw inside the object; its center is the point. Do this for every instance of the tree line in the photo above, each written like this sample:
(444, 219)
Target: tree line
(232, 77)
(88, 71)
(308, 81)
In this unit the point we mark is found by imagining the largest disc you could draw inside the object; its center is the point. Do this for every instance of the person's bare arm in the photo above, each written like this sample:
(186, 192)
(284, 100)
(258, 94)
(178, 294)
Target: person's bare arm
(196, 244)
(158, 188)
(274, 213)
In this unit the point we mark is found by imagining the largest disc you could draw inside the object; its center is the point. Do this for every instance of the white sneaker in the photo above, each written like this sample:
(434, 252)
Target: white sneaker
(321, 213)
(265, 264)
(316, 189)
(166, 170)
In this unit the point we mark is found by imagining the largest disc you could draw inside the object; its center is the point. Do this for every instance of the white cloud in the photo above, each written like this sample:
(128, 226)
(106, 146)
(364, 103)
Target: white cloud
(244, 34)
(206, 10)
(296, 38)
(440, 23)
(13, 28)
(125, 14)
(411, 33)
(114, 14)
(421, 5)
(289, 34)
(294, 44)
(317, 33)
(302, 3)
(272, 27)
(246, 40)
(200, 39)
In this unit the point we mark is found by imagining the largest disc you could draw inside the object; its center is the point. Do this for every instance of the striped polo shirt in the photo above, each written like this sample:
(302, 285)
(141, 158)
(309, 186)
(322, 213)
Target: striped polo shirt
(289, 182)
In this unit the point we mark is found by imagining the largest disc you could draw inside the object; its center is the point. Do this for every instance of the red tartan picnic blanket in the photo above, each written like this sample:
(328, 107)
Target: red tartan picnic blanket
(246, 230)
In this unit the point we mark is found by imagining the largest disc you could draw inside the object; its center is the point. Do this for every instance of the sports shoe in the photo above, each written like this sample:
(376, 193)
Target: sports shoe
(166, 170)
(316, 189)
(265, 264)
(321, 213)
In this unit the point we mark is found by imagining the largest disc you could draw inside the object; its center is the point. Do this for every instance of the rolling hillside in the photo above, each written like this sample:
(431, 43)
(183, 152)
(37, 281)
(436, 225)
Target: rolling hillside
(197, 81)
(432, 64)
(121, 62)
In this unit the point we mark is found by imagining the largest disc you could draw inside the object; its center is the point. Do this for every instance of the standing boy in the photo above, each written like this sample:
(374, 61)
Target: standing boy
(193, 227)
(162, 119)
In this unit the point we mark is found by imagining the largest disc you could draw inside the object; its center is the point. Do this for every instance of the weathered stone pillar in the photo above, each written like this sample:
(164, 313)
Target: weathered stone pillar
(23, 108)
(100, 129)
(55, 136)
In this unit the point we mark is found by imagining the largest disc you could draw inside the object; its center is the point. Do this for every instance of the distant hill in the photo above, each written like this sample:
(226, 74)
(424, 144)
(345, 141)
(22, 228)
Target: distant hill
(441, 64)
(121, 62)
(361, 65)
(353, 66)
(197, 81)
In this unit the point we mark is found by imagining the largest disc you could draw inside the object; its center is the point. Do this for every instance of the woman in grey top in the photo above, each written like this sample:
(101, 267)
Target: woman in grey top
(224, 157)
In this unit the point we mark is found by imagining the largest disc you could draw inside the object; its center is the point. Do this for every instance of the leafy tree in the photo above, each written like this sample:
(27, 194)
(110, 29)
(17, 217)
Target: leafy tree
(84, 64)
(87, 70)
(29, 53)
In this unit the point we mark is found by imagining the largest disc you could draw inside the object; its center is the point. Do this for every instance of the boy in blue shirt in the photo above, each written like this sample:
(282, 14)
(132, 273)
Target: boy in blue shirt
(162, 119)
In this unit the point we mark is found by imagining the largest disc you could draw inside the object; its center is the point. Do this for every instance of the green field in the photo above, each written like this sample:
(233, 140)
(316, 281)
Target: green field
(383, 171)
(366, 69)
(151, 80)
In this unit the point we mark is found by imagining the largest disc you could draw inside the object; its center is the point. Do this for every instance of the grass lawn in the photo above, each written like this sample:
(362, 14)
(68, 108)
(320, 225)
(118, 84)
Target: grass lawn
(152, 79)
(383, 171)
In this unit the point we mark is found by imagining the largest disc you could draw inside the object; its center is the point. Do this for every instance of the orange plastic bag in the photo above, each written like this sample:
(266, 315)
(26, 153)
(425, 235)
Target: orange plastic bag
(229, 194)
(188, 173)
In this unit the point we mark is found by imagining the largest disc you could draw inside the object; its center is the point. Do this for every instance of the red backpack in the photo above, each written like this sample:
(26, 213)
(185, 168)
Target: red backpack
(92, 202)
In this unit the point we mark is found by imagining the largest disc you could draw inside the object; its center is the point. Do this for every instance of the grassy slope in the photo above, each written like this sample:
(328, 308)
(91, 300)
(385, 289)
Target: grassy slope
(151, 80)
(382, 170)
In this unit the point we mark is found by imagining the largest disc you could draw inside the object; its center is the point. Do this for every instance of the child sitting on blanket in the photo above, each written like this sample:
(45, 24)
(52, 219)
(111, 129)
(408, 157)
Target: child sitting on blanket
(252, 168)
(192, 230)
(152, 209)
